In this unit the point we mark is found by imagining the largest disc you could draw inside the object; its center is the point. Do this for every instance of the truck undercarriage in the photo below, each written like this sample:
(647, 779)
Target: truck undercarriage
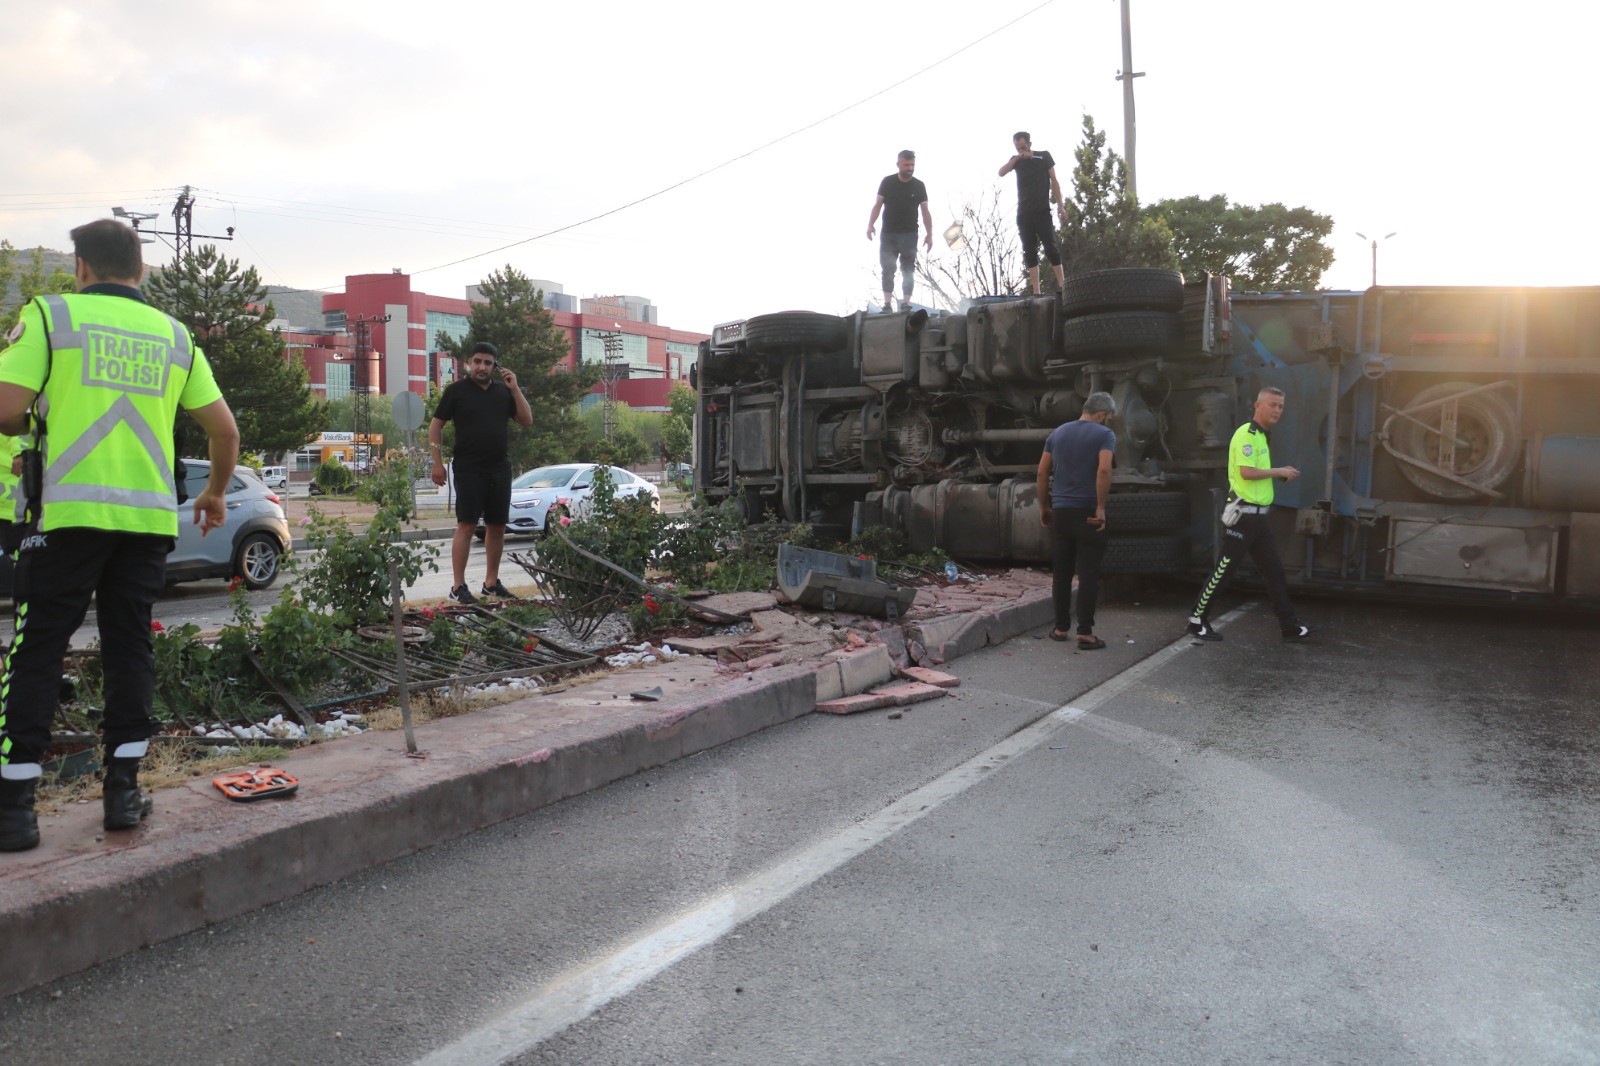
(1448, 438)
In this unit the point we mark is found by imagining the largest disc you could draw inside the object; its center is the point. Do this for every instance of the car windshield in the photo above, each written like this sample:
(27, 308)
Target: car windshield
(546, 477)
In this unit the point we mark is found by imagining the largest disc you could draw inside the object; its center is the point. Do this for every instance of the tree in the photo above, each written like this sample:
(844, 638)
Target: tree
(1268, 248)
(1105, 227)
(632, 438)
(380, 420)
(513, 318)
(227, 311)
(32, 282)
(677, 429)
(985, 259)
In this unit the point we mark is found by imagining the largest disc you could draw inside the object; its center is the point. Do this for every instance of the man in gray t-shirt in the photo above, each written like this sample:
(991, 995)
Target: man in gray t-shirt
(1074, 481)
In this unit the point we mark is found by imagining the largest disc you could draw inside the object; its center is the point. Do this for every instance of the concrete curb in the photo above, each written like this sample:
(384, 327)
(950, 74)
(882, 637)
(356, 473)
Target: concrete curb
(79, 901)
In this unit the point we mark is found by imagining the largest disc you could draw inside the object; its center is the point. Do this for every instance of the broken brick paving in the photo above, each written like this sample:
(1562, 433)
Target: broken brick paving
(199, 859)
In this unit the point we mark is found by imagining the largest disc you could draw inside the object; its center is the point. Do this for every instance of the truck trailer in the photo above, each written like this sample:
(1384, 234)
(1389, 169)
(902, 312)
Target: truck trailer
(1448, 438)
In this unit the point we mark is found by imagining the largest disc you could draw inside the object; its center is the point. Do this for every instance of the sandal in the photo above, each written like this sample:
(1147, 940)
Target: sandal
(1060, 634)
(1092, 644)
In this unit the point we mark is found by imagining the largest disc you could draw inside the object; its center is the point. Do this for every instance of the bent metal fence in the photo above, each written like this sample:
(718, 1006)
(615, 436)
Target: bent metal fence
(492, 648)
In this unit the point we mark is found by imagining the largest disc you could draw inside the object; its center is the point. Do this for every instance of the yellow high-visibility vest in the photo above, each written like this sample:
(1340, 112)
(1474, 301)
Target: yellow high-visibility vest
(114, 372)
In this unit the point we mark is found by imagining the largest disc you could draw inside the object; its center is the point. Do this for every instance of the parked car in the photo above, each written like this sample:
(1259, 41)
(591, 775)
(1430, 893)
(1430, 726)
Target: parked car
(275, 477)
(537, 496)
(247, 546)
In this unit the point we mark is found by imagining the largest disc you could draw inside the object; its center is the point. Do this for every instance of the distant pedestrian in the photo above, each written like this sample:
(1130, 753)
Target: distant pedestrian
(1037, 189)
(479, 406)
(1074, 482)
(899, 197)
(1250, 476)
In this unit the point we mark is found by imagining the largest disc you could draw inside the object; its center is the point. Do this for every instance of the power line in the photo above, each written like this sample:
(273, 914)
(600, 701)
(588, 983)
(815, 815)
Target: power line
(735, 159)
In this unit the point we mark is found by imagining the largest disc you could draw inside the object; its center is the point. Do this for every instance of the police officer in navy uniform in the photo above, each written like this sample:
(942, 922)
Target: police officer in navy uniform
(1250, 479)
(95, 378)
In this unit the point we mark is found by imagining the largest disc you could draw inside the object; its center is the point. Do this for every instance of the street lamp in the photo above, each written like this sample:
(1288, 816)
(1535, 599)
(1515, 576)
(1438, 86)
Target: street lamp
(1375, 241)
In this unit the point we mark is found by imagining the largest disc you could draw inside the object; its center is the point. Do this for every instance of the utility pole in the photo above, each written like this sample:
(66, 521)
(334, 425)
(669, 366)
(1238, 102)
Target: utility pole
(611, 371)
(361, 406)
(182, 231)
(1126, 76)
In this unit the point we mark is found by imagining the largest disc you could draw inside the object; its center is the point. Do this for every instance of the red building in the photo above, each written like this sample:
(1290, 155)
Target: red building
(402, 351)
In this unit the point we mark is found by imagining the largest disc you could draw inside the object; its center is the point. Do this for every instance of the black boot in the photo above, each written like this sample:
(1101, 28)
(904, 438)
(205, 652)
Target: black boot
(19, 827)
(125, 805)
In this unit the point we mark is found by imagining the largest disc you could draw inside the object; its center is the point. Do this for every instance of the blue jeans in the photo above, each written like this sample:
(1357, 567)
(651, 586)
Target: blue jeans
(901, 246)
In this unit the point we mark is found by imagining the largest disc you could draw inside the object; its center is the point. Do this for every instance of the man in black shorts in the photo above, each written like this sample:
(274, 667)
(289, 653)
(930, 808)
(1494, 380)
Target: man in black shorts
(478, 406)
(1036, 180)
(899, 196)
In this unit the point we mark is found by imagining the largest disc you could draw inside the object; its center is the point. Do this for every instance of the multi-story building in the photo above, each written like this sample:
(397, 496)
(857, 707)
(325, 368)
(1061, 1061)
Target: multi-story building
(402, 327)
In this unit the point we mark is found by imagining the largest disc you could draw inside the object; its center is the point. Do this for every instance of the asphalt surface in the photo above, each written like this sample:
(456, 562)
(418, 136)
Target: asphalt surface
(1376, 848)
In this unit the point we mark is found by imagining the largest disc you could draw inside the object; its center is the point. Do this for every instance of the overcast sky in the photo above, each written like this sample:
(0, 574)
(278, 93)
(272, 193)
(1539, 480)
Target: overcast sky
(355, 137)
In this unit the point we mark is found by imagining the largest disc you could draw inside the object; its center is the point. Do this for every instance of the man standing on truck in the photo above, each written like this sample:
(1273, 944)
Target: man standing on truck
(1250, 475)
(899, 196)
(1074, 481)
(1037, 189)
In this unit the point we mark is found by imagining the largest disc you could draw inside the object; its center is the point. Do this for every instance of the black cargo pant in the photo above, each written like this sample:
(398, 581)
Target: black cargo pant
(57, 574)
(1078, 548)
(1250, 534)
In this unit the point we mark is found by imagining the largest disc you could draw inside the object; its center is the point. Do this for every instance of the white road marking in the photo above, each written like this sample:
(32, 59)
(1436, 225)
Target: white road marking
(574, 996)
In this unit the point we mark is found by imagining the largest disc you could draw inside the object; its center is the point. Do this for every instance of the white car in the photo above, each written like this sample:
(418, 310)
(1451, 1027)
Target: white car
(545, 494)
(275, 477)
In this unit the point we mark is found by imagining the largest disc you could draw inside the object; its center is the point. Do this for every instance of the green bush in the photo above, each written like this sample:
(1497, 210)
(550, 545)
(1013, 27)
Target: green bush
(350, 578)
(333, 477)
(392, 483)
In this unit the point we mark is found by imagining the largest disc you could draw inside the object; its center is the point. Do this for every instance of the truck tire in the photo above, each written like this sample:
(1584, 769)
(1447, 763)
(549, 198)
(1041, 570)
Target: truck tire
(1138, 512)
(1120, 334)
(794, 331)
(1488, 424)
(1146, 555)
(1130, 289)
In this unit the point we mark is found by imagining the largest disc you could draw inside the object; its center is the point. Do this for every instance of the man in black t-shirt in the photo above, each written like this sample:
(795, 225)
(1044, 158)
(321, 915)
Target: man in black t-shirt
(478, 406)
(1036, 179)
(899, 196)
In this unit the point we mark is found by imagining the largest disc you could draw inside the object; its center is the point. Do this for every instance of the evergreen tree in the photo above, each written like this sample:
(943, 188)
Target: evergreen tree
(1105, 227)
(227, 311)
(513, 318)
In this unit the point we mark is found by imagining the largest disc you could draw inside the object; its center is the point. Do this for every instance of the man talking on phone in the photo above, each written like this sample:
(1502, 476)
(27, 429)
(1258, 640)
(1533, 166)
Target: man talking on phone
(479, 406)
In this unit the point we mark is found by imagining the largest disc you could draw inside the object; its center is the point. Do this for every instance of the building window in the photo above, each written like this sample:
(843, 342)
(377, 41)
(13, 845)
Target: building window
(333, 320)
(680, 357)
(339, 378)
(453, 326)
(635, 352)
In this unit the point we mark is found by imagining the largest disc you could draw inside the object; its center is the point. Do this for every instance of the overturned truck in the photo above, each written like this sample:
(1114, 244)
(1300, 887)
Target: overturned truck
(1448, 438)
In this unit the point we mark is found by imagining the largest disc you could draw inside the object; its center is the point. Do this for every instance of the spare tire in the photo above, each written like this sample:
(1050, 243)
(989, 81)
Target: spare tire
(794, 331)
(1127, 289)
(1488, 434)
(1120, 333)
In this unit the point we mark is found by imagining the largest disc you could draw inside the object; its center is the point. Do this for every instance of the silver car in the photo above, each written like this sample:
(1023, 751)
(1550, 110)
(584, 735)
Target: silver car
(549, 492)
(247, 546)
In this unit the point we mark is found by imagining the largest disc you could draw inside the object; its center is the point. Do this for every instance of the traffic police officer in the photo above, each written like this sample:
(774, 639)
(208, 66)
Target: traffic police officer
(1250, 474)
(95, 378)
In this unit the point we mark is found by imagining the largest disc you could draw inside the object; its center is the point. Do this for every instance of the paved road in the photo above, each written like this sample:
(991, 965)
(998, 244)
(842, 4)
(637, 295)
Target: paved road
(1379, 848)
